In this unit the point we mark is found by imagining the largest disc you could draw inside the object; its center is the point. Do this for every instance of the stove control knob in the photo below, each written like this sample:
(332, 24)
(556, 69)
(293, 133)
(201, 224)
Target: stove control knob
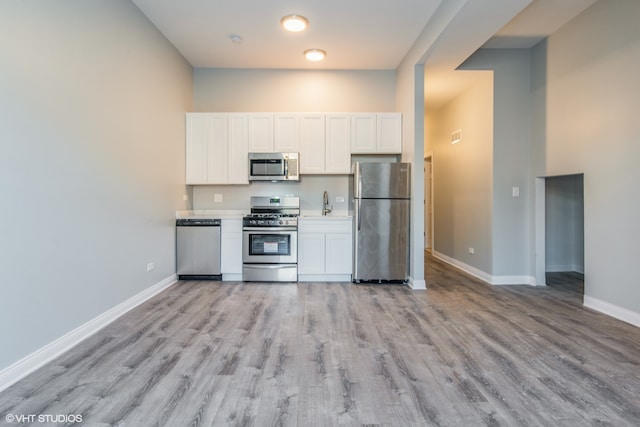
(281, 222)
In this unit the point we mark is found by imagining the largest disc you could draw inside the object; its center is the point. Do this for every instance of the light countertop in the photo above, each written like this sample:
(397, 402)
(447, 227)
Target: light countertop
(238, 214)
(330, 217)
(214, 214)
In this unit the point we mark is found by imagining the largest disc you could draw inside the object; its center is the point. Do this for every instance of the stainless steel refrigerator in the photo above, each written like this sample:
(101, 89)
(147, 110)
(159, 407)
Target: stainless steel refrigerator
(381, 203)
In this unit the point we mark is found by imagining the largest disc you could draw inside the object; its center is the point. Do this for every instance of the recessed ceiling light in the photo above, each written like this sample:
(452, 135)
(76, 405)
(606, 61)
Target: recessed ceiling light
(315, 54)
(294, 23)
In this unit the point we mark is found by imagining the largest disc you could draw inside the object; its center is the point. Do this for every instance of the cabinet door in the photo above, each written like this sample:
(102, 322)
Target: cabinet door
(196, 149)
(389, 133)
(260, 133)
(311, 249)
(286, 133)
(338, 253)
(231, 244)
(338, 144)
(363, 133)
(217, 165)
(206, 148)
(312, 143)
(238, 149)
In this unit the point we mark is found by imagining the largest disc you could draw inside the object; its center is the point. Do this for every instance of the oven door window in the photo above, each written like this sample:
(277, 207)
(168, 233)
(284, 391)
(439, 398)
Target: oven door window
(269, 244)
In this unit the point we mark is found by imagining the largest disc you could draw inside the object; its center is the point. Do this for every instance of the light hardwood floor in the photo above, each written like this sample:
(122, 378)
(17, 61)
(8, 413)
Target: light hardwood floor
(462, 353)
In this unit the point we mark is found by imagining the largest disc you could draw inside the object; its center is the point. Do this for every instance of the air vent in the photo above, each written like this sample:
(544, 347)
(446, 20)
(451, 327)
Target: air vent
(456, 136)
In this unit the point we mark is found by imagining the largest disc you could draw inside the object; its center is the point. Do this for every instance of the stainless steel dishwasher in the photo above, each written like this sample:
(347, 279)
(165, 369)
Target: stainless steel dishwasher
(198, 249)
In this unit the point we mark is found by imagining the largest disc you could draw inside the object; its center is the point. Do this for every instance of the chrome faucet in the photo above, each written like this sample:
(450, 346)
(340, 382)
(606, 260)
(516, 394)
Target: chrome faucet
(325, 204)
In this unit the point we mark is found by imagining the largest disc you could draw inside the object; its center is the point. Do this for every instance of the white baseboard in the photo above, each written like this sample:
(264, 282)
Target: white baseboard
(324, 277)
(417, 284)
(563, 268)
(28, 364)
(484, 276)
(612, 310)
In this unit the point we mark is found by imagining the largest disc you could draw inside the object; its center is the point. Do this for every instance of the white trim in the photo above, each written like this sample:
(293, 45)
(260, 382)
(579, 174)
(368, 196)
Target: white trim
(28, 364)
(324, 277)
(540, 245)
(514, 280)
(417, 284)
(562, 268)
(612, 310)
(486, 277)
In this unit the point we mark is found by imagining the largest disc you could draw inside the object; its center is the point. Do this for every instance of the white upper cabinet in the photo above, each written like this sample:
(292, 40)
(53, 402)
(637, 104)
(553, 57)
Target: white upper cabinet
(206, 148)
(312, 143)
(196, 148)
(338, 144)
(389, 133)
(363, 133)
(286, 129)
(274, 133)
(217, 144)
(260, 132)
(238, 149)
(325, 144)
(379, 133)
(216, 151)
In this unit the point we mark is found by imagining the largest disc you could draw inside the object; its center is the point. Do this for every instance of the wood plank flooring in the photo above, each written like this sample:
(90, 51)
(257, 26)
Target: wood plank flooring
(462, 353)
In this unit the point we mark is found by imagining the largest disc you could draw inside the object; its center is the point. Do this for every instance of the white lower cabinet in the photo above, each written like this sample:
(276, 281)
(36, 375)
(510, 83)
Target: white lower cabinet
(324, 249)
(231, 249)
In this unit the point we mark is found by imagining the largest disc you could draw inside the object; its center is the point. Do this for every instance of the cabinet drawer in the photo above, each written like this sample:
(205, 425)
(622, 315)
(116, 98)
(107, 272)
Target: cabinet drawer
(318, 225)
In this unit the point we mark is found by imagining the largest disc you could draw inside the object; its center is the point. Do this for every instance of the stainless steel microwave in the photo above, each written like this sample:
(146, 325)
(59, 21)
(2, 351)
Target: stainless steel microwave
(274, 167)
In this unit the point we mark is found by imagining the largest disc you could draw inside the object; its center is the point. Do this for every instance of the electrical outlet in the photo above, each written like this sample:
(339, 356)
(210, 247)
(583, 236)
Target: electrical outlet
(185, 197)
(515, 191)
(217, 198)
(339, 199)
(150, 266)
(472, 251)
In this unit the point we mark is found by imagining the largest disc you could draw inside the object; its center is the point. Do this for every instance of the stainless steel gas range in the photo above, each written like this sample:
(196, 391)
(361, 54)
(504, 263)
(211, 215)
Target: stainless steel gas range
(270, 240)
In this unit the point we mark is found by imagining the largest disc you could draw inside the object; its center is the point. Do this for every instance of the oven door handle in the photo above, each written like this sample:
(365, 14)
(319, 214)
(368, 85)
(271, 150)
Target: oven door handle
(269, 229)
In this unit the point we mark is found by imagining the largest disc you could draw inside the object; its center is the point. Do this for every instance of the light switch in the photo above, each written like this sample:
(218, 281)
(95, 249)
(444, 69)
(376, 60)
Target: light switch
(339, 199)
(515, 191)
(217, 198)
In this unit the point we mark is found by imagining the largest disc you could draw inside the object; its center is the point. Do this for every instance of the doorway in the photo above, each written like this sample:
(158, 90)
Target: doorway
(560, 231)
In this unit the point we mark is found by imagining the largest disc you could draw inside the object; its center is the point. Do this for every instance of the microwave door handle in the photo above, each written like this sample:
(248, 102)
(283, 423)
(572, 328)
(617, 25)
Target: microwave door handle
(286, 168)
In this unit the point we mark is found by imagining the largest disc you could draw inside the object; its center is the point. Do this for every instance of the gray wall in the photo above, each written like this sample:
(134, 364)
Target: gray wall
(462, 175)
(592, 127)
(92, 102)
(567, 107)
(265, 90)
(511, 159)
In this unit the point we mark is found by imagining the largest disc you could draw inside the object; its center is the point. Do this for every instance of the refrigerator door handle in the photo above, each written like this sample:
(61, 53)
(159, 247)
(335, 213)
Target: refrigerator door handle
(359, 213)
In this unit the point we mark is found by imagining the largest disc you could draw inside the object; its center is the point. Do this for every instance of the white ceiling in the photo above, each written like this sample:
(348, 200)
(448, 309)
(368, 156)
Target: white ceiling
(356, 34)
